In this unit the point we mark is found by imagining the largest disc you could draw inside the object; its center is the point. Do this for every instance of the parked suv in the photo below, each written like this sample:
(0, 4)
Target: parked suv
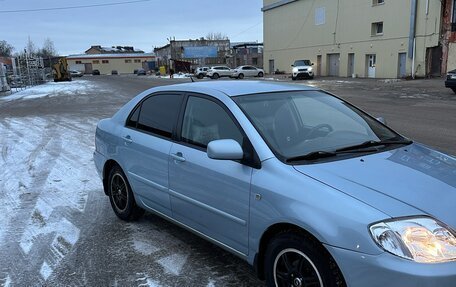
(201, 72)
(302, 69)
(218, 71)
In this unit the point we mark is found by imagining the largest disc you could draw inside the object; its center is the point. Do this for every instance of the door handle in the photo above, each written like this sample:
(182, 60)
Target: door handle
(128, 139)
(178, 156)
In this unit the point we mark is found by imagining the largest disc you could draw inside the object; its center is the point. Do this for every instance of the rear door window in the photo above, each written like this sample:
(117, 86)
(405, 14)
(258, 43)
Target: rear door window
(157, 114)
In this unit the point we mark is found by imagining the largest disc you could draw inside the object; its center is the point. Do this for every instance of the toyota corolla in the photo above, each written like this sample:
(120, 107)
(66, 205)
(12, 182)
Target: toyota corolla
(307, 188)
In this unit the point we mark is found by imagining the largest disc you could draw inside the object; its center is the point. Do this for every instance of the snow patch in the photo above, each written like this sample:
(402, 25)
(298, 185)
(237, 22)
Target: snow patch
(45, 270)
(146, 281)
(6, 281)
(145, 248)
(52, 89)
(173, 264)
(211, 283)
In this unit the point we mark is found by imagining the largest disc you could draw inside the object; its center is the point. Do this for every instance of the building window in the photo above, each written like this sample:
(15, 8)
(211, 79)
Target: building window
(105, 61)
(377, 2)
(137, 61)
(254, 61)
(78, 62)
(127, 61)
(96, 61)
(377, 28)
(320, 16)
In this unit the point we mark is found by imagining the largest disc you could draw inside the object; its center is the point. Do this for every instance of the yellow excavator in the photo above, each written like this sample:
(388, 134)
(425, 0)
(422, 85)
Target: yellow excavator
(60, 71)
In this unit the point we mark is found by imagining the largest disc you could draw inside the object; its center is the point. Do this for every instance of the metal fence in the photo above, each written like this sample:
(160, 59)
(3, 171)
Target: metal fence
(24, 71)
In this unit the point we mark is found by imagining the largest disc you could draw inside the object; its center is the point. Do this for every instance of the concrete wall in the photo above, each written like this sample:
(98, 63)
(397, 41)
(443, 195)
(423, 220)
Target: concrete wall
(291, 32)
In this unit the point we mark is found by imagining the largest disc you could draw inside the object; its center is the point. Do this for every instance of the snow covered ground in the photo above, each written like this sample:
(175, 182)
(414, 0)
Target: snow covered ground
(52, 89)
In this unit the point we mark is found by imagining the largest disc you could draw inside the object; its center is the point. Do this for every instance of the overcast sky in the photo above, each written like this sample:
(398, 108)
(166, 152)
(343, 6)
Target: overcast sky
(143, 25)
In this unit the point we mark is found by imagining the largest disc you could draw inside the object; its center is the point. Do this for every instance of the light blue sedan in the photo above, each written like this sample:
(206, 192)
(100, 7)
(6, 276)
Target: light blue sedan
(307, 188)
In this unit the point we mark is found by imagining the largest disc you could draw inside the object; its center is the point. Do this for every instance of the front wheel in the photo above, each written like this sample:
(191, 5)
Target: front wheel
(294, 260)
(241, 76)
(121, 197)
(260, 74)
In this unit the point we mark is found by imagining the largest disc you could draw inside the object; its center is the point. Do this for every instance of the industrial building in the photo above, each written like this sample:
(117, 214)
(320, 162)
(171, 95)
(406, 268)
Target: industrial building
(100, 59)
(186, 55)
(246, 53)
(364, 38)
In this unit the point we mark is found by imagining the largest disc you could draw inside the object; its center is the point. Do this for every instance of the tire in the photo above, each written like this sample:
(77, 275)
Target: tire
(293, 78)
(241, 76)
(200, 76)
(215, 76)
(260, 74)
(297, 260)
(121, 197)
(454, 90)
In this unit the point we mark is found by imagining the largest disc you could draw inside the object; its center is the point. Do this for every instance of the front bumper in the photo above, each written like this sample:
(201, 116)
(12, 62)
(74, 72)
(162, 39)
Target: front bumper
(306, 74)
(450, 83)
(382, 270)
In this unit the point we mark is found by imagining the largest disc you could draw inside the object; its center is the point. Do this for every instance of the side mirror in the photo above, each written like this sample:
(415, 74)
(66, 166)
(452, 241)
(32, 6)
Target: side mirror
(382, 120)
(292, 65)
(225, 150)
(313, 64)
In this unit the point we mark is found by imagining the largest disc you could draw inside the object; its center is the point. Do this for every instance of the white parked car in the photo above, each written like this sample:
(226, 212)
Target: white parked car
(218, 71)
(247, 71)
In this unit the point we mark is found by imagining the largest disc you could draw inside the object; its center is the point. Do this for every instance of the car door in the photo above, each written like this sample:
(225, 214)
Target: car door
(211, 196)
(145, 150)
(225, 71)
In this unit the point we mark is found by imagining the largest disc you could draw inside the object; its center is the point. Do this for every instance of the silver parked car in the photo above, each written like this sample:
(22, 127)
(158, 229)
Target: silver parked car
(305, 187)
(218, 71)
(247, 71)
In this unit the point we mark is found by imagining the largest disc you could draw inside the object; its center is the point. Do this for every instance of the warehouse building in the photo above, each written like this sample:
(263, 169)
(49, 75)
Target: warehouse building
(365, 38)
(123, 63)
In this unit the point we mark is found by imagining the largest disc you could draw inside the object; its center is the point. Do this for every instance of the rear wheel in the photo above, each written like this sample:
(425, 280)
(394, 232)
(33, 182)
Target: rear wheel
(294, 260)
(121, 197)
(215, 76)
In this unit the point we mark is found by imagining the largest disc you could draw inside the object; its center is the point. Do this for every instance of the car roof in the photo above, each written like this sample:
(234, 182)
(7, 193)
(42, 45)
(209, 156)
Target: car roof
(238, 88)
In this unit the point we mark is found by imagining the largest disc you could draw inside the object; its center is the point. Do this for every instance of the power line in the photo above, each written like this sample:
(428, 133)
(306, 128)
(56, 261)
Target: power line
(73, 7)
(232, 37)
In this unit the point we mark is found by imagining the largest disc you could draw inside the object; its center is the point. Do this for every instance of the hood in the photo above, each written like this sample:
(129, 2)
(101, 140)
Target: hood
(412, 180)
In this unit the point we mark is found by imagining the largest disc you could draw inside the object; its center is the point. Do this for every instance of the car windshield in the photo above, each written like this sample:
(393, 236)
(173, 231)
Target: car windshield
(295, 124)
(302, 63)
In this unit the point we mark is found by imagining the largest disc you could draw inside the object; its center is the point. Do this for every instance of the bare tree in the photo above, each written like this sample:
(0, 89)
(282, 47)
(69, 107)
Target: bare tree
(31, 48)
(216, 36)
(48, 49)
(6, 50)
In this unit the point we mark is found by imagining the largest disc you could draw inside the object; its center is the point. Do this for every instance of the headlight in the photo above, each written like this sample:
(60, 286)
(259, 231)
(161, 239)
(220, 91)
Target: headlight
(295, 70)
(310, 69)
(421, 239)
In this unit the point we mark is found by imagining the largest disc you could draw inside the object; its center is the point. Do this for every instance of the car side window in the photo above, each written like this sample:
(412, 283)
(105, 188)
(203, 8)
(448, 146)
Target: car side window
(158, 114)
(205, 121)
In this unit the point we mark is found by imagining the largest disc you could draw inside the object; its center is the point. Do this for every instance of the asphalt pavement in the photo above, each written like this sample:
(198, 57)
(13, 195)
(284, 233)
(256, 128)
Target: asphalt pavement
(58, 228)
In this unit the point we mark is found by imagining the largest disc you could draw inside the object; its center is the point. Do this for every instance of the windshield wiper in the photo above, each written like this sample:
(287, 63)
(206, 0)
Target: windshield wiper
(372, 143)
(311, 156)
